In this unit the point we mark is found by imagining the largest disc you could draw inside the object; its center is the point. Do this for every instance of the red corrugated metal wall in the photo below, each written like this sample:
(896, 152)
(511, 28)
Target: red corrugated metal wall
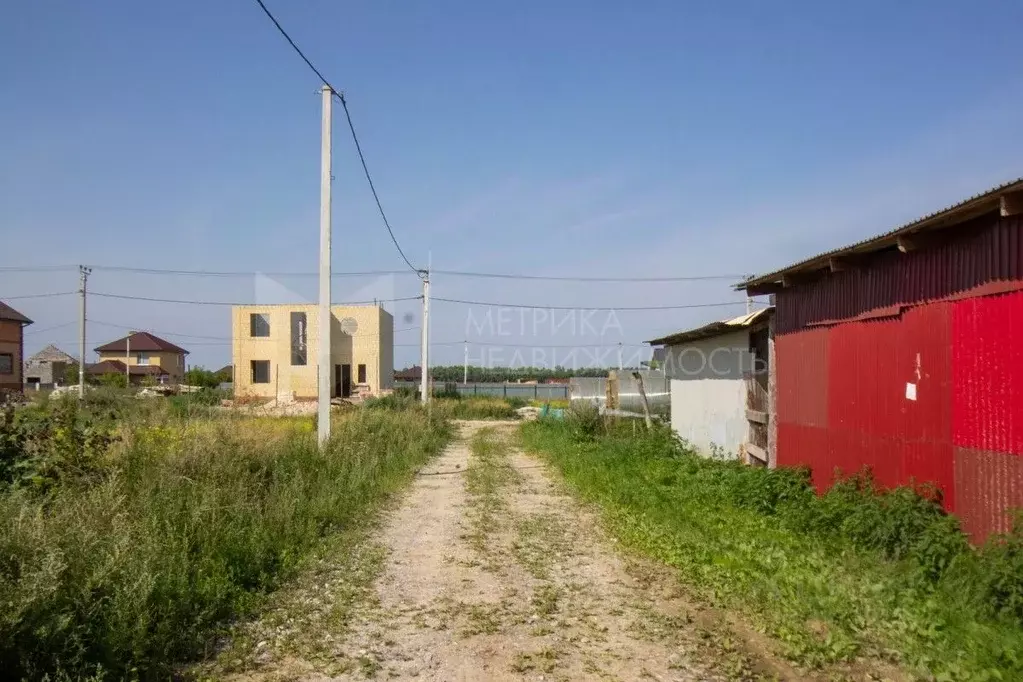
(987, 410)
(934, 395)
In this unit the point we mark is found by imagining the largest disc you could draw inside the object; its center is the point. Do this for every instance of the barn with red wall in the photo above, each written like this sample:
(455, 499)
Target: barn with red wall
(904, 354)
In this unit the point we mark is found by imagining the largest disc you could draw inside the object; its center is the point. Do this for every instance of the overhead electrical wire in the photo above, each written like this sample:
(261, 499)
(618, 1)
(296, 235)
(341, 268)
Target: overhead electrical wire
(379, 273)
(583, 307)
(351, 126)
(572, 278)
(36, 268)
(235, 303)
(50, 329)
(238, 273)
(46, 295)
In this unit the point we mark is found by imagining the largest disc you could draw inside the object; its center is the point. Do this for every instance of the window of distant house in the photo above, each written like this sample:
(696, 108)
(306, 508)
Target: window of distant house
(6, 363)
(362, 374)
(259, 324)
(298, 339)
(141, 358)
(261, 371)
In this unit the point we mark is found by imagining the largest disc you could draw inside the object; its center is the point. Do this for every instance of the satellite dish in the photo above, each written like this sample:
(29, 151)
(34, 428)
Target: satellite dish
(349, 326)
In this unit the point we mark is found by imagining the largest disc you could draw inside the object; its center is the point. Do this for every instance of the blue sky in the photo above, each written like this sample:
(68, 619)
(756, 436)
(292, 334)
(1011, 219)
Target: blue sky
(570, 137)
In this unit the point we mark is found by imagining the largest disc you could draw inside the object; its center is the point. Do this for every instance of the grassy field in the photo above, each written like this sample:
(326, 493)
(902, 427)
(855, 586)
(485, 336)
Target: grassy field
(451, 406)
(835, 580)
(130, 535)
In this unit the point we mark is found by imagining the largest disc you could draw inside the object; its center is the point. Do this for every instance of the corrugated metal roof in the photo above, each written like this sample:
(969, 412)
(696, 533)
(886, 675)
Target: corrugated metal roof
(976, 205)
(715, 328)
(9, 313)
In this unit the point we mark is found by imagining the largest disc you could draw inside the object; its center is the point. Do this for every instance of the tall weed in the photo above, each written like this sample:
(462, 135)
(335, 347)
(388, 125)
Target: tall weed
(188, 526)
(856, 571)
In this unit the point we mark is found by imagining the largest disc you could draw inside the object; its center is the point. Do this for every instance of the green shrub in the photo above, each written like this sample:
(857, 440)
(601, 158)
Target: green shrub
(886, 572)
(584, 420)
(1000, 572)
(140, 570)
(49, 444)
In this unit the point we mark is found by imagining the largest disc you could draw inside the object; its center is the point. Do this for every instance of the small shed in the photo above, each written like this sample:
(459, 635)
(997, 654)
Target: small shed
(48, 368)
(901, 353)
(718, 377)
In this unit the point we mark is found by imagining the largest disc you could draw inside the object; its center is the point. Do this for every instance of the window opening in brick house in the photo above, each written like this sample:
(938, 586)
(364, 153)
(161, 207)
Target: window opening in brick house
(260, 371)
(298, 338)
(362, 374)
(6, 363)
(259, 324)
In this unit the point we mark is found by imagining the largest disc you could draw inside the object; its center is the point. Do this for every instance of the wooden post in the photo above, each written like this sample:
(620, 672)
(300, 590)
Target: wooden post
(642, 394)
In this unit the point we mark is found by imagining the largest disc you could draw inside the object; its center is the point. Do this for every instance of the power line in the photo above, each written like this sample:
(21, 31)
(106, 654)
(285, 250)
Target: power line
(201, 336)
(36, 268)
(239, 273)
(351, 126)
(50, 329)
(48, 295)
(295, 47)
(569, 278)
(379, 273)
(234, 303)
(595, 308)
(372, 187)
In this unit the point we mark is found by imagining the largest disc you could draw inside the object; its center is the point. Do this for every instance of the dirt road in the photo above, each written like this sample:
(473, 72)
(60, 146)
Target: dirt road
(485, 571)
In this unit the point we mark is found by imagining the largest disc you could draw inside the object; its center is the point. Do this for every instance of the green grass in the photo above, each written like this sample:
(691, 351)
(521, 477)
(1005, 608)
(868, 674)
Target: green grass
(178, 529)
(830, 579)
(451, 406)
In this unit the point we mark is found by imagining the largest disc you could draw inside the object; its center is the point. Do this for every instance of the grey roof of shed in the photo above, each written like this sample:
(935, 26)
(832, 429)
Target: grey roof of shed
(978, 204)
(52, 354)
(716, 328)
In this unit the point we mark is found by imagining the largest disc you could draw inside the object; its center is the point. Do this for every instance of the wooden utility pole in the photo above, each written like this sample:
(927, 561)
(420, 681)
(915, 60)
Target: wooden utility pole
(324, 365)
(83, 280)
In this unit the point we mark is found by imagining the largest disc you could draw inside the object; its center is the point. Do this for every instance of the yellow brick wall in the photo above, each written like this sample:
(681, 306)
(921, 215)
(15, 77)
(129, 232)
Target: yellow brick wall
(171, 363)
(372, 344)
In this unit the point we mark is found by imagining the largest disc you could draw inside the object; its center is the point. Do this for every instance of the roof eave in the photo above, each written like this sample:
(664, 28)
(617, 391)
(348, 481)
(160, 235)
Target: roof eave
(982, 204)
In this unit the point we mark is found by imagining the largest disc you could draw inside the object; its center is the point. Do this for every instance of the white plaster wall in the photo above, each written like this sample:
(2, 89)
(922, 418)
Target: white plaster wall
(710, 411)
(725, 356)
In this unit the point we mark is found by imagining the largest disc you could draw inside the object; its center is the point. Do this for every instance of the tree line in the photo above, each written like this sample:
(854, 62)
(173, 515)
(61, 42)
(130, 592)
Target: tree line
(501, 374)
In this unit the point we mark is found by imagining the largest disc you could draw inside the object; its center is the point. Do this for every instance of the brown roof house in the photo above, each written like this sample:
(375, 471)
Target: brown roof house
(48, 368)
(140, 355)
(12, 347)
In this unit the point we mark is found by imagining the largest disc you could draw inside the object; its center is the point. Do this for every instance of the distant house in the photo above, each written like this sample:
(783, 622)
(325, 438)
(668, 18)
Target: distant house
(414, 373)
(719, 376)
(48, 368)
(276, 350)
(141, 355)
(12, 347)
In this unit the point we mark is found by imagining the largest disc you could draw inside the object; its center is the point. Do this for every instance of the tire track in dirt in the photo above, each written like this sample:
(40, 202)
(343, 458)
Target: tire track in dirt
(487, 571)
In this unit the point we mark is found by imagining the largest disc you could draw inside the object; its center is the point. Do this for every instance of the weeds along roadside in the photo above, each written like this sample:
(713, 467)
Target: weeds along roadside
(451, 405)
(852, 573)
(128, 539)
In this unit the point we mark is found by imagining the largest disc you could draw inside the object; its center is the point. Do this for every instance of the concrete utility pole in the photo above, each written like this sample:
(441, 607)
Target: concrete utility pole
(465, 365)
(83, 279)
(424, 381)
(324, 366)
(620, 368)
(127, 360)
